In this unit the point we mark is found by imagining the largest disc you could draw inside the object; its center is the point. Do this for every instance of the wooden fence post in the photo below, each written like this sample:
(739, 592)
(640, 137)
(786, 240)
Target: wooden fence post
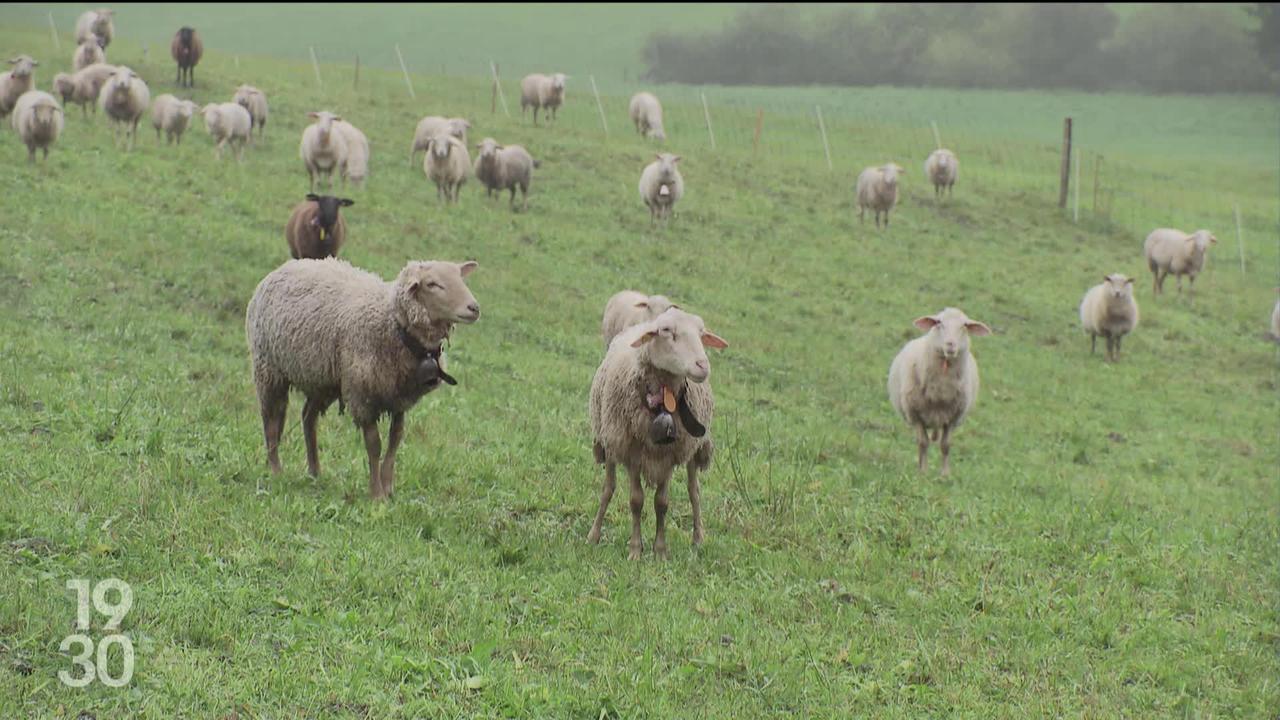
(599, 106)
(498, 86)
(355, 84)
(57, 44)
(1065, 179)
(707, 114)
(822, 126)
(316, 64)
(404, 69)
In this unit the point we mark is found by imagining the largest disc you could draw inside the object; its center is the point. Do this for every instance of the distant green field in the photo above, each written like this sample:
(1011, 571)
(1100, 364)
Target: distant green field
(1105, 547)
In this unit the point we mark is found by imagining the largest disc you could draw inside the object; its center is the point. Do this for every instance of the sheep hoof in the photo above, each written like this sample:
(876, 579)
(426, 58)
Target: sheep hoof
(663, 429)
(634, 554)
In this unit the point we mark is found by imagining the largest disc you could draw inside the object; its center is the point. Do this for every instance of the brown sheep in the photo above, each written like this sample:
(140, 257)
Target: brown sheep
(186, 50)
(316, 229)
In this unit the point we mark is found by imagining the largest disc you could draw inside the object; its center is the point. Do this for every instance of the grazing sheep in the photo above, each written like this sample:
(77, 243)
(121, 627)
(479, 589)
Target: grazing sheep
(16, 82)
(38, 119)
(432, 125)
(316, 228)
(661, 186)
(505, 167)
(357, 168)
(651, 406)
(186, 50)
(542, 92)
(878, 189)
(83, 87)
(629, 308)
(942, 168)
(1109, 310)
(173, 116)
(255, 101)
(96, 24)
(1173, 251)
(336, 332)
(322, 149)
(124, 98)
(87, 53)
(933, 381)
(228, 124)
(447, 164)
(646, 113)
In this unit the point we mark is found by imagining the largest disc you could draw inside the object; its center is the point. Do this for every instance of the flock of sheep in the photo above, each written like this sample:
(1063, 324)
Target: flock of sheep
(339, 333)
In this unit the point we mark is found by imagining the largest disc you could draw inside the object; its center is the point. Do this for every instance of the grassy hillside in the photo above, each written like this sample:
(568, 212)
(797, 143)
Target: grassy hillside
(1105, 546)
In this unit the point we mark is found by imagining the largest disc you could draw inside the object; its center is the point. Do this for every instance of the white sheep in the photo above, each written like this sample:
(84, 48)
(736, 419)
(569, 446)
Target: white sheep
(96, 25)
(1110, 310)
(255, 101)
(38, 120)
(323, 150)
(629, 308)
(447, 164)
(505, 167)
(336, 332)
(942, 168)
(877, 189)
(654, 375)
(661, 186)
(646, 113)
(84, 86)
(1173, 251)
(228, 124)
(357, 168)
(933, 381)
(432, 125)
(544, 92)
(172, 117)
(124, 98)
(87, 53)
(15, 82)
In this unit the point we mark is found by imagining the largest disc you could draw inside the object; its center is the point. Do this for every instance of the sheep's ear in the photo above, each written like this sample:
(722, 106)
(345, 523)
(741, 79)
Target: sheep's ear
(345, 202)
(675, 159)
(1213, 240)
(413, 286)
(313, 115)
(976, 328)
(644, 338)
(926, 323)
(466, 268)
(1106, 278)
(642, 304)
(313, 197)
(337, 119)
(711, 340)
(1128, 281)
(35, 63)
(658, 155)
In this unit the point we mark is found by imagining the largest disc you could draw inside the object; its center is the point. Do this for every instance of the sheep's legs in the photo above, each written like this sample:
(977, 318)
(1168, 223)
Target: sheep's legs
(606, 495)
(394, 435)
(1093, 344)
(1111, 349)
(660, 505)
(922, 443)
(637, 509)
(373, 446)
(311, 413)
(275, 403)
(945, 444)
(1118, 339)
(695, 502)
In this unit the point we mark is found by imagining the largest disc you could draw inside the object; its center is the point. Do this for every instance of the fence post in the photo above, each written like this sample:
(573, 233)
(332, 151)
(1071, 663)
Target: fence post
(708, 115)
(937, 139)
(355, 84)
(1097, 163)
(1065, 179)
(405, 70)
(1240, 238)
(316, 64)
(1075, 214)
(599, 106)
(498, 88)
(755, 141)
(822, 126)
(57, 44)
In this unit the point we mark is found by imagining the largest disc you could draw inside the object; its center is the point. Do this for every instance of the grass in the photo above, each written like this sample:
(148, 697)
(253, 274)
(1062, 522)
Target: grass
(1104, 548)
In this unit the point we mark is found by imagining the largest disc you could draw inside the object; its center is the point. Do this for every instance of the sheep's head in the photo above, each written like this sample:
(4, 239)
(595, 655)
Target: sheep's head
(185, 36)
(328, 215)
(64, 86)
(121, 80)
(949, 332)
(187, 108)
(210, 112)
(23, 66)
(100, 41)
(1199, 242)
(458, 128)
(655, 305)
(675, 343)
(667, 167)
(324, 120)
(441, 145)
(656, 133)
(488, 148)
(434, 292)
(944, 159)
(1119, 286)
(46, 112)
(889, 173)
(557, 83)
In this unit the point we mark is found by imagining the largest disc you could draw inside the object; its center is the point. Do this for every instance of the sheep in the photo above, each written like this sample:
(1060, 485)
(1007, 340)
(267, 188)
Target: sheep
(646, 113)
(83, 87)
(124, 98)
(942, 168)
(337, 332)
(1110, 310)
(432, 125)
(96, 24)
(878, 189)
(505, 167)
(323, 150)
(1173, 251)
(542, 92)
(650, 408)
(255, 101)
(186, 49)
(447, 164)
(629, 308)
(87, 53)
(316, 228)
(228, 124)
(933, 381)
(38, 120)
(357, 168)
(17, 81)
(661, 186)
(172, 116)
